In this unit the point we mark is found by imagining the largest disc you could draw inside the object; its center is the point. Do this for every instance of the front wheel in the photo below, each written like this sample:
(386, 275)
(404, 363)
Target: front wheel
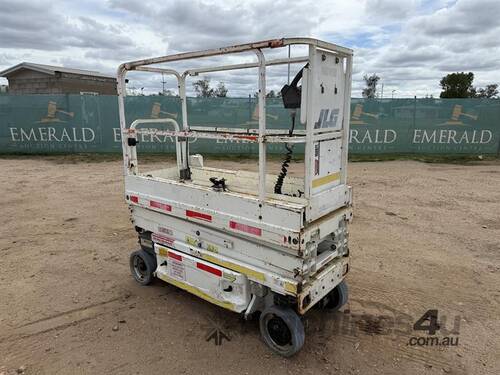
(142, 266)
(282, 330)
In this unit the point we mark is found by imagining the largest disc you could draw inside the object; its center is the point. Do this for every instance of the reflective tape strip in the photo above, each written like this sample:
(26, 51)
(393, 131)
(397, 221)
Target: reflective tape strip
(326, 179)
(134, 198)
(235, 267)
(175, 256)
(161, 206)
(245, 228)
(198, 215)
(206, 267)
(159, 238)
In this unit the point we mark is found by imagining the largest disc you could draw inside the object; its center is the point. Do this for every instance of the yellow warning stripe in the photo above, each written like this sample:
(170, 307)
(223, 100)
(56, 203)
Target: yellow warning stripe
(326, 179)
(197, 292)
(291, 287)
(244, 270)
(162, 251)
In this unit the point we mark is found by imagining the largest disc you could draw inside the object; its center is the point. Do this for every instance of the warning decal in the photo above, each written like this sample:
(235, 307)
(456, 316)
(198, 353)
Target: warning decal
(177, 270)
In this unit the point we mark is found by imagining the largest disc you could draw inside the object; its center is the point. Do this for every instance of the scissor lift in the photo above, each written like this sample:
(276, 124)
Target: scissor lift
(239, 239)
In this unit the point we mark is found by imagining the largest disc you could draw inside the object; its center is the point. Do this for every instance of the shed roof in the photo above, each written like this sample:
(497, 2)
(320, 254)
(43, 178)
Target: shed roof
(50, 69)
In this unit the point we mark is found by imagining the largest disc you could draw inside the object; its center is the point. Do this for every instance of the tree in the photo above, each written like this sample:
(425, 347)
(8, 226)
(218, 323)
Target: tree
(167, 93)
(203, 89)
(457, 85)
(221, 90)
(370, 90)
(490, 91)
(270, 94)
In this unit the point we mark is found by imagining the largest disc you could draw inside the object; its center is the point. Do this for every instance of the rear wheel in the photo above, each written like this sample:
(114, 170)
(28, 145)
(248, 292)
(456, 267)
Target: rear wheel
(142, 266)
(282, 330)
(337, 297)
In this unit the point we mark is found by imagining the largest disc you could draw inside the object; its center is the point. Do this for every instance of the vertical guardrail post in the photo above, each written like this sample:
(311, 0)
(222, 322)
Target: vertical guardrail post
(185, 144)
(262, 124)
(121, 90)
(346, 118)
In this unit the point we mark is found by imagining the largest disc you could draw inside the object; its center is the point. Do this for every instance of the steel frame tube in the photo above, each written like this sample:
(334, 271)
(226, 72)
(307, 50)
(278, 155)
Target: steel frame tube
(295, 60)
(133, 150)
(262, 124)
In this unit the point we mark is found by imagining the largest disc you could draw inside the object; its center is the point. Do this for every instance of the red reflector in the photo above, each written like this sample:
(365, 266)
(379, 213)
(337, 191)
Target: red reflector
(245, 228)
(161, 206)
(134, 198)
(198, 215)
(175, 256)
(249, 137)
(207, 268)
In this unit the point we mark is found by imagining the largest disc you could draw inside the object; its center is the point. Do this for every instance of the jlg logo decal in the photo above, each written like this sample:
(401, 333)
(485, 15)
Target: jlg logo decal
(327, 119)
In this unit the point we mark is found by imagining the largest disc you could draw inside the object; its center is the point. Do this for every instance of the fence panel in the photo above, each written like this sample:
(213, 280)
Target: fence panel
(85, 123)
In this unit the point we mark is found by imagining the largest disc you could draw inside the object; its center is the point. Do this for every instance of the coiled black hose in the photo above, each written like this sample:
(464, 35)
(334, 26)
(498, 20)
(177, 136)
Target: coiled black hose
(286, 162)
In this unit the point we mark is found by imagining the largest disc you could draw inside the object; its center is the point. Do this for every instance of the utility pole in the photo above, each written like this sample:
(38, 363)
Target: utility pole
(163, 83)
(382, 92)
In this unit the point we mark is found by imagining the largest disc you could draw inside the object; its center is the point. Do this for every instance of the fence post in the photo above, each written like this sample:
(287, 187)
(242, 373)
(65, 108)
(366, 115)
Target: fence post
(249, 107)
(414, 111)
(410, 139)
(498, 131)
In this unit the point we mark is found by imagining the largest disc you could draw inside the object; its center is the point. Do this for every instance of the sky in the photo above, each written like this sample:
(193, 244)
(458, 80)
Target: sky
(410, 44)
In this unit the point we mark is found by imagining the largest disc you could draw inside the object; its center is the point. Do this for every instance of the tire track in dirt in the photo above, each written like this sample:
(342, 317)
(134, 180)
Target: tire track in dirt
(65, 319)
(482, 308)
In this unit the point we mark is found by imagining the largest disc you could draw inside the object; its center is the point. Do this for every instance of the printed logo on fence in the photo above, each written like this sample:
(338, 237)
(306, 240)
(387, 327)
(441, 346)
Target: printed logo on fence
(52, 134)
(358, 115)
(457, 115)
(58, 136)
(53, 112)
(148, 138)
(377, 136)
(156, 112)
(440, 139)
(364, 134)
(448, 136)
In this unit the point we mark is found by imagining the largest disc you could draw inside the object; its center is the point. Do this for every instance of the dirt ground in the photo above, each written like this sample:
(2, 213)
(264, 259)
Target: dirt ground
(424, 236)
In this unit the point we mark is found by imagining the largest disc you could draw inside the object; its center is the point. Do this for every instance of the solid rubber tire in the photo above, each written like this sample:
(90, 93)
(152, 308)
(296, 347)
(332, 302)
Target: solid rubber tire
(292, 321)
(150, 266)
(338, 296)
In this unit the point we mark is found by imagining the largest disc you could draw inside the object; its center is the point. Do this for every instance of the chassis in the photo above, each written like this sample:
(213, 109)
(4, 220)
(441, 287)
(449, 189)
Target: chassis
(241, 244)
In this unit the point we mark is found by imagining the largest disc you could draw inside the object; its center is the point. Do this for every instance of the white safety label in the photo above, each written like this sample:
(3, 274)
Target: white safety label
(177, 270)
